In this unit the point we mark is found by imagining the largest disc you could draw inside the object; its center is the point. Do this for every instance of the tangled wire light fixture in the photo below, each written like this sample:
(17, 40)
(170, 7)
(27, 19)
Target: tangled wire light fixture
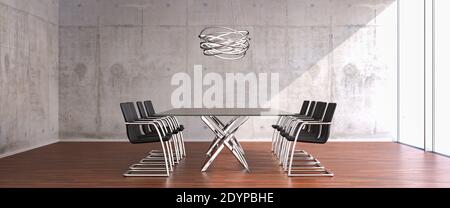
(224, 42)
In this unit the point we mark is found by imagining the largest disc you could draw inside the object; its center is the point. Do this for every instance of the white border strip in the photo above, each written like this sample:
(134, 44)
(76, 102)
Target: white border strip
(28, 148)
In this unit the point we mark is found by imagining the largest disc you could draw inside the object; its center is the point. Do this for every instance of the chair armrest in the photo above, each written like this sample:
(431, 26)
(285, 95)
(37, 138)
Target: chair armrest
(148, 119)
(310, 123)
(303, 124)
(308, 119)
(147, 123)
(301, 116)
(304, 118)
(139, 123)
(317, 123)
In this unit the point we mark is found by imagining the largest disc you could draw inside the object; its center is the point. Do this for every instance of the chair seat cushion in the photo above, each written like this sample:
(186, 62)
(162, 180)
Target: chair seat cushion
(290, 138)
(305, 137)
(146, 139)
(168, 136)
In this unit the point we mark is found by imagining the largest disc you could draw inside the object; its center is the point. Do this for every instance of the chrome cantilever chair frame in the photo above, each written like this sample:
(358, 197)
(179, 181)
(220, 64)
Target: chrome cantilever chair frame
(305, 164)
(285, 146)
(155, 154)
(284, 122)
(181, 137)
(275, 134)
(306, 111)
(306, 168)
(148, 168)
(177, 139)
(146, 109)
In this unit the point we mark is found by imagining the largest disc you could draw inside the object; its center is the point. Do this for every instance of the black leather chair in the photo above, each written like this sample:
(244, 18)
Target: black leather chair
(303, 112)
(311, 108)
(318, 135)
(319, 109)
(316, 114)
(277, 126)
(179, 128)
(171, 126)
(304, 109)
(284, 121)
(308, 131)
(149, 166)
(151, 113)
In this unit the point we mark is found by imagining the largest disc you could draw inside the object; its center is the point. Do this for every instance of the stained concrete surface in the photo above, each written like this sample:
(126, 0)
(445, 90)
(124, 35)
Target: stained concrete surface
(125, 50)
(28, 73)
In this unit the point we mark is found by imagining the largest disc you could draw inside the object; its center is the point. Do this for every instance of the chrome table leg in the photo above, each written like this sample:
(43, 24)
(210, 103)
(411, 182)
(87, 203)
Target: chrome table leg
(225, 137)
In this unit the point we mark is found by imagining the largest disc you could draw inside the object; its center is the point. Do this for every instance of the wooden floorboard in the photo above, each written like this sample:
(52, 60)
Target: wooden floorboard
(355, 164)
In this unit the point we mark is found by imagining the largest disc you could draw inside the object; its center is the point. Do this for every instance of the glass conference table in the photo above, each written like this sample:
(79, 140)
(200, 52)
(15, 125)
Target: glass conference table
(224, 132)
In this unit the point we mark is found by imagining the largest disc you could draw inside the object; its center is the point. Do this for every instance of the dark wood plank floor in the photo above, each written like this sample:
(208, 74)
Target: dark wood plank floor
(102, 165)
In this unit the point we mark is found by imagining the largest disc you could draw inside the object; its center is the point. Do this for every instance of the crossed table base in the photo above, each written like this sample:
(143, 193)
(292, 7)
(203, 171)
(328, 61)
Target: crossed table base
(224, 138)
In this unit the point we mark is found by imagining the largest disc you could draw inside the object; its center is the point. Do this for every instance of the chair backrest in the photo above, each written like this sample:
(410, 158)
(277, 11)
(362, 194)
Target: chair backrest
(141, 109)
(130, 115)
(129, 112)
(311, 107)
(149, 106)
(319, 110)
(326, 128)
(321, 132)
(304, 108)
(143, 114)
(150, 111)
(328, 117)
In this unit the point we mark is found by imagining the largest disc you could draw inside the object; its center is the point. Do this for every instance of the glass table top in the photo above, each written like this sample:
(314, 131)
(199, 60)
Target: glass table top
(225, 112)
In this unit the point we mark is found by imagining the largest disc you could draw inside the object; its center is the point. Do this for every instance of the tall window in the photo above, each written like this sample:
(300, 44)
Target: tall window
(411, 72)
(442, 76)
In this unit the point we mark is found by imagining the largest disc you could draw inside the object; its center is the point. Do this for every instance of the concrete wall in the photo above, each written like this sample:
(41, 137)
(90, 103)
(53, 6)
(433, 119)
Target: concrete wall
(113, 51)
(28, 74)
